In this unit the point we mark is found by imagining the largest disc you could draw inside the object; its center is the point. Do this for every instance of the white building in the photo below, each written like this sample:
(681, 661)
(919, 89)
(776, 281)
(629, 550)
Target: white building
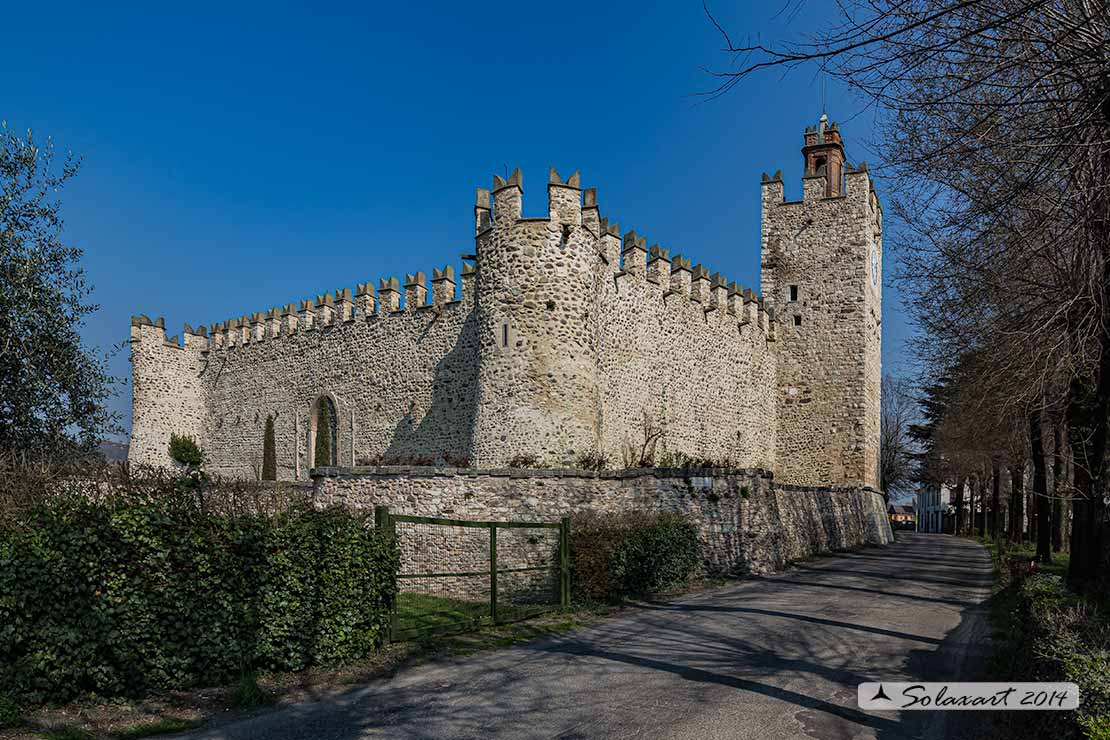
(935, 507)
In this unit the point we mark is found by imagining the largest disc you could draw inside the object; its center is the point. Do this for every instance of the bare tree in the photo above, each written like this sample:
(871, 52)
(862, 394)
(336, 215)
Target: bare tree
(994, 129)
(898, 450)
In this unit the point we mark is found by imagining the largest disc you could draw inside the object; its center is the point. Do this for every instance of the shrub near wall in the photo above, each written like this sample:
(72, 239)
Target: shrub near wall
(126, 596)
(631, 555)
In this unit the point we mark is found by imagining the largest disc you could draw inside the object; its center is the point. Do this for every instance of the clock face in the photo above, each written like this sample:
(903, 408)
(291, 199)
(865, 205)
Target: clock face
(874, 266)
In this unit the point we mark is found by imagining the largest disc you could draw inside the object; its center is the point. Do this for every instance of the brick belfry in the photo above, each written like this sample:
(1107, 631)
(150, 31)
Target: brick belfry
(560, 336)
(821, 260)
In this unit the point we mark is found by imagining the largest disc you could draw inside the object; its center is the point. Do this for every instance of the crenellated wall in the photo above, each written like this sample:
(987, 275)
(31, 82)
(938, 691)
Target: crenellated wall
(687, 353)
(167, 392)
(559, 336)
(561, 343)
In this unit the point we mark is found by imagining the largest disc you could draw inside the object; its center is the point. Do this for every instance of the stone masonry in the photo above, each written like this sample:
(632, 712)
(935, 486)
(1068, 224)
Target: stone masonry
(747, 523)
(558, 336)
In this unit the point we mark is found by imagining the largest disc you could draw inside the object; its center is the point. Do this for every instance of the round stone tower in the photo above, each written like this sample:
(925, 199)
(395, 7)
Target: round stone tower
(537, 327)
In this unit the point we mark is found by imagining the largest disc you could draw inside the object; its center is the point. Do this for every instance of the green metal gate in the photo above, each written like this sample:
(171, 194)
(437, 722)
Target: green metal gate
(459, 575)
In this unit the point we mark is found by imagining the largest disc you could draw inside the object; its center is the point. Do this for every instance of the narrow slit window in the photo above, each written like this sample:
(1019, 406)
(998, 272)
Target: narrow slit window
(504, 335)
(793, 292)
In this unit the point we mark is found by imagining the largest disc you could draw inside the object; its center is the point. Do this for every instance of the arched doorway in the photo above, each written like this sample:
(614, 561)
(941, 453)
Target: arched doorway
(323, 432)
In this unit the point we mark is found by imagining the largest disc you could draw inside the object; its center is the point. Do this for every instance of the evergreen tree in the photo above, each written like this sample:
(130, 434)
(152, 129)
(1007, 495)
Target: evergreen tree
(269, 451)
(323, 435)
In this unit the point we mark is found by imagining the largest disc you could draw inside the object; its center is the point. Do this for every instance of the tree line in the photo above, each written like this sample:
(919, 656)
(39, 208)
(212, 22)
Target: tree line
(993, 127)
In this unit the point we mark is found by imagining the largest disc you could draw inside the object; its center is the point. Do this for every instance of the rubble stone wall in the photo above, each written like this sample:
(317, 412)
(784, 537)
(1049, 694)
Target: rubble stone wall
(747, 522)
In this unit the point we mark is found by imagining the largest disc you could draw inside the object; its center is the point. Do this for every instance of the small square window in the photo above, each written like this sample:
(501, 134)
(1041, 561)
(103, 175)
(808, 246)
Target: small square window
(793, 292)
(797, 320)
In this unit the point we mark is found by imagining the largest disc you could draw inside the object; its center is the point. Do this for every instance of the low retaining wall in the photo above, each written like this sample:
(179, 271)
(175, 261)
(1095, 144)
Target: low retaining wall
(747, 522)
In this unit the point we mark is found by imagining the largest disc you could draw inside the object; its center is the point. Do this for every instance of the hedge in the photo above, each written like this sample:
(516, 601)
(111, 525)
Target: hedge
(631, 555)
(123, 596)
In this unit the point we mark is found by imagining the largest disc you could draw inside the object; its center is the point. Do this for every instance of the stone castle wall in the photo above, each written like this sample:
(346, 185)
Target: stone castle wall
(693, 361)
(566, 339)
(558, 346)
(747, 523)
(402, 384)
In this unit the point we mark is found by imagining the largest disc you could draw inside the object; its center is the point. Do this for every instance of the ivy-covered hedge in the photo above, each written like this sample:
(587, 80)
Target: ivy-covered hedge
(631, 555)
(135, 593)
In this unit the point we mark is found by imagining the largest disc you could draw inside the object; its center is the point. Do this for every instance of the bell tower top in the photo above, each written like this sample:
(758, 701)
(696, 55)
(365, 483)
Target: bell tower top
(824, 155)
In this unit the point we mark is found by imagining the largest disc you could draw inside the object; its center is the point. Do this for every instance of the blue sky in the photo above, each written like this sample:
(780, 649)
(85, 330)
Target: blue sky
(242, 156)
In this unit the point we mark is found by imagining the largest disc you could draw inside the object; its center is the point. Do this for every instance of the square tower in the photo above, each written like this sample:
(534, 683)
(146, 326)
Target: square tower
(821, 270)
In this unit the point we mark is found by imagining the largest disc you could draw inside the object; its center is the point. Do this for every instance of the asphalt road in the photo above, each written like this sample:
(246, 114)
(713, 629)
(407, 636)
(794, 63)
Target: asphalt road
(777, 657)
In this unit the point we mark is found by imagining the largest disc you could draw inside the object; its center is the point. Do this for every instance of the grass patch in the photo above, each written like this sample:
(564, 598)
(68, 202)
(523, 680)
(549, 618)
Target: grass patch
(247, 694)
(65, 733)
(1045, 632)
(424, 614)
(154, 727)
(1058, 566)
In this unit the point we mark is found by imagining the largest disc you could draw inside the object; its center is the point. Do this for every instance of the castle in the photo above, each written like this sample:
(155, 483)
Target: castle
(559, 336)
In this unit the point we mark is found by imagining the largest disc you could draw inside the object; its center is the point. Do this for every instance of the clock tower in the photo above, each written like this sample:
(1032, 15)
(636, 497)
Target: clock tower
(821, 271)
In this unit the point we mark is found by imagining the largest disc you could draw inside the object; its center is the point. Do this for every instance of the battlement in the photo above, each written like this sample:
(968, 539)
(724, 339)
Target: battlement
(570, 205)
(501, 206)
(323, 312)
(675, 278)
(626, 257)
(558, 333)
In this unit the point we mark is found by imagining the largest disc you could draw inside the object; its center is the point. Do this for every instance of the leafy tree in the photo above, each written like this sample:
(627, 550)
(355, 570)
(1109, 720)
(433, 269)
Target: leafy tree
(52, 390)
(269, 451)
(323, 435)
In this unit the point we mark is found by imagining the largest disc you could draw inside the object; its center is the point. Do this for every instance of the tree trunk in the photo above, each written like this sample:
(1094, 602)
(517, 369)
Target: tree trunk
(1040, 490)
(1089, 419)
(1017, 498)
(959, 507)
(1030, 504)
(981, 483)
(971, 505)
(1086, 498)
(996, 475)
(1059, 486)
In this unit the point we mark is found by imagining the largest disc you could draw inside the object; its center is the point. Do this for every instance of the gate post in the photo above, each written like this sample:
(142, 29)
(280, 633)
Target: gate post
(493, 572)
(564, 562)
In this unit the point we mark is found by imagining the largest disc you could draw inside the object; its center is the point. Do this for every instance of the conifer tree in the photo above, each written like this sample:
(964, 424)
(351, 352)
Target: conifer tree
(323, 436)
(269, 451)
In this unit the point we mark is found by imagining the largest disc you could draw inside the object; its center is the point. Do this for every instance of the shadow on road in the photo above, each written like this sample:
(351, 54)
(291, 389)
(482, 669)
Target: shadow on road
(774, 657)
